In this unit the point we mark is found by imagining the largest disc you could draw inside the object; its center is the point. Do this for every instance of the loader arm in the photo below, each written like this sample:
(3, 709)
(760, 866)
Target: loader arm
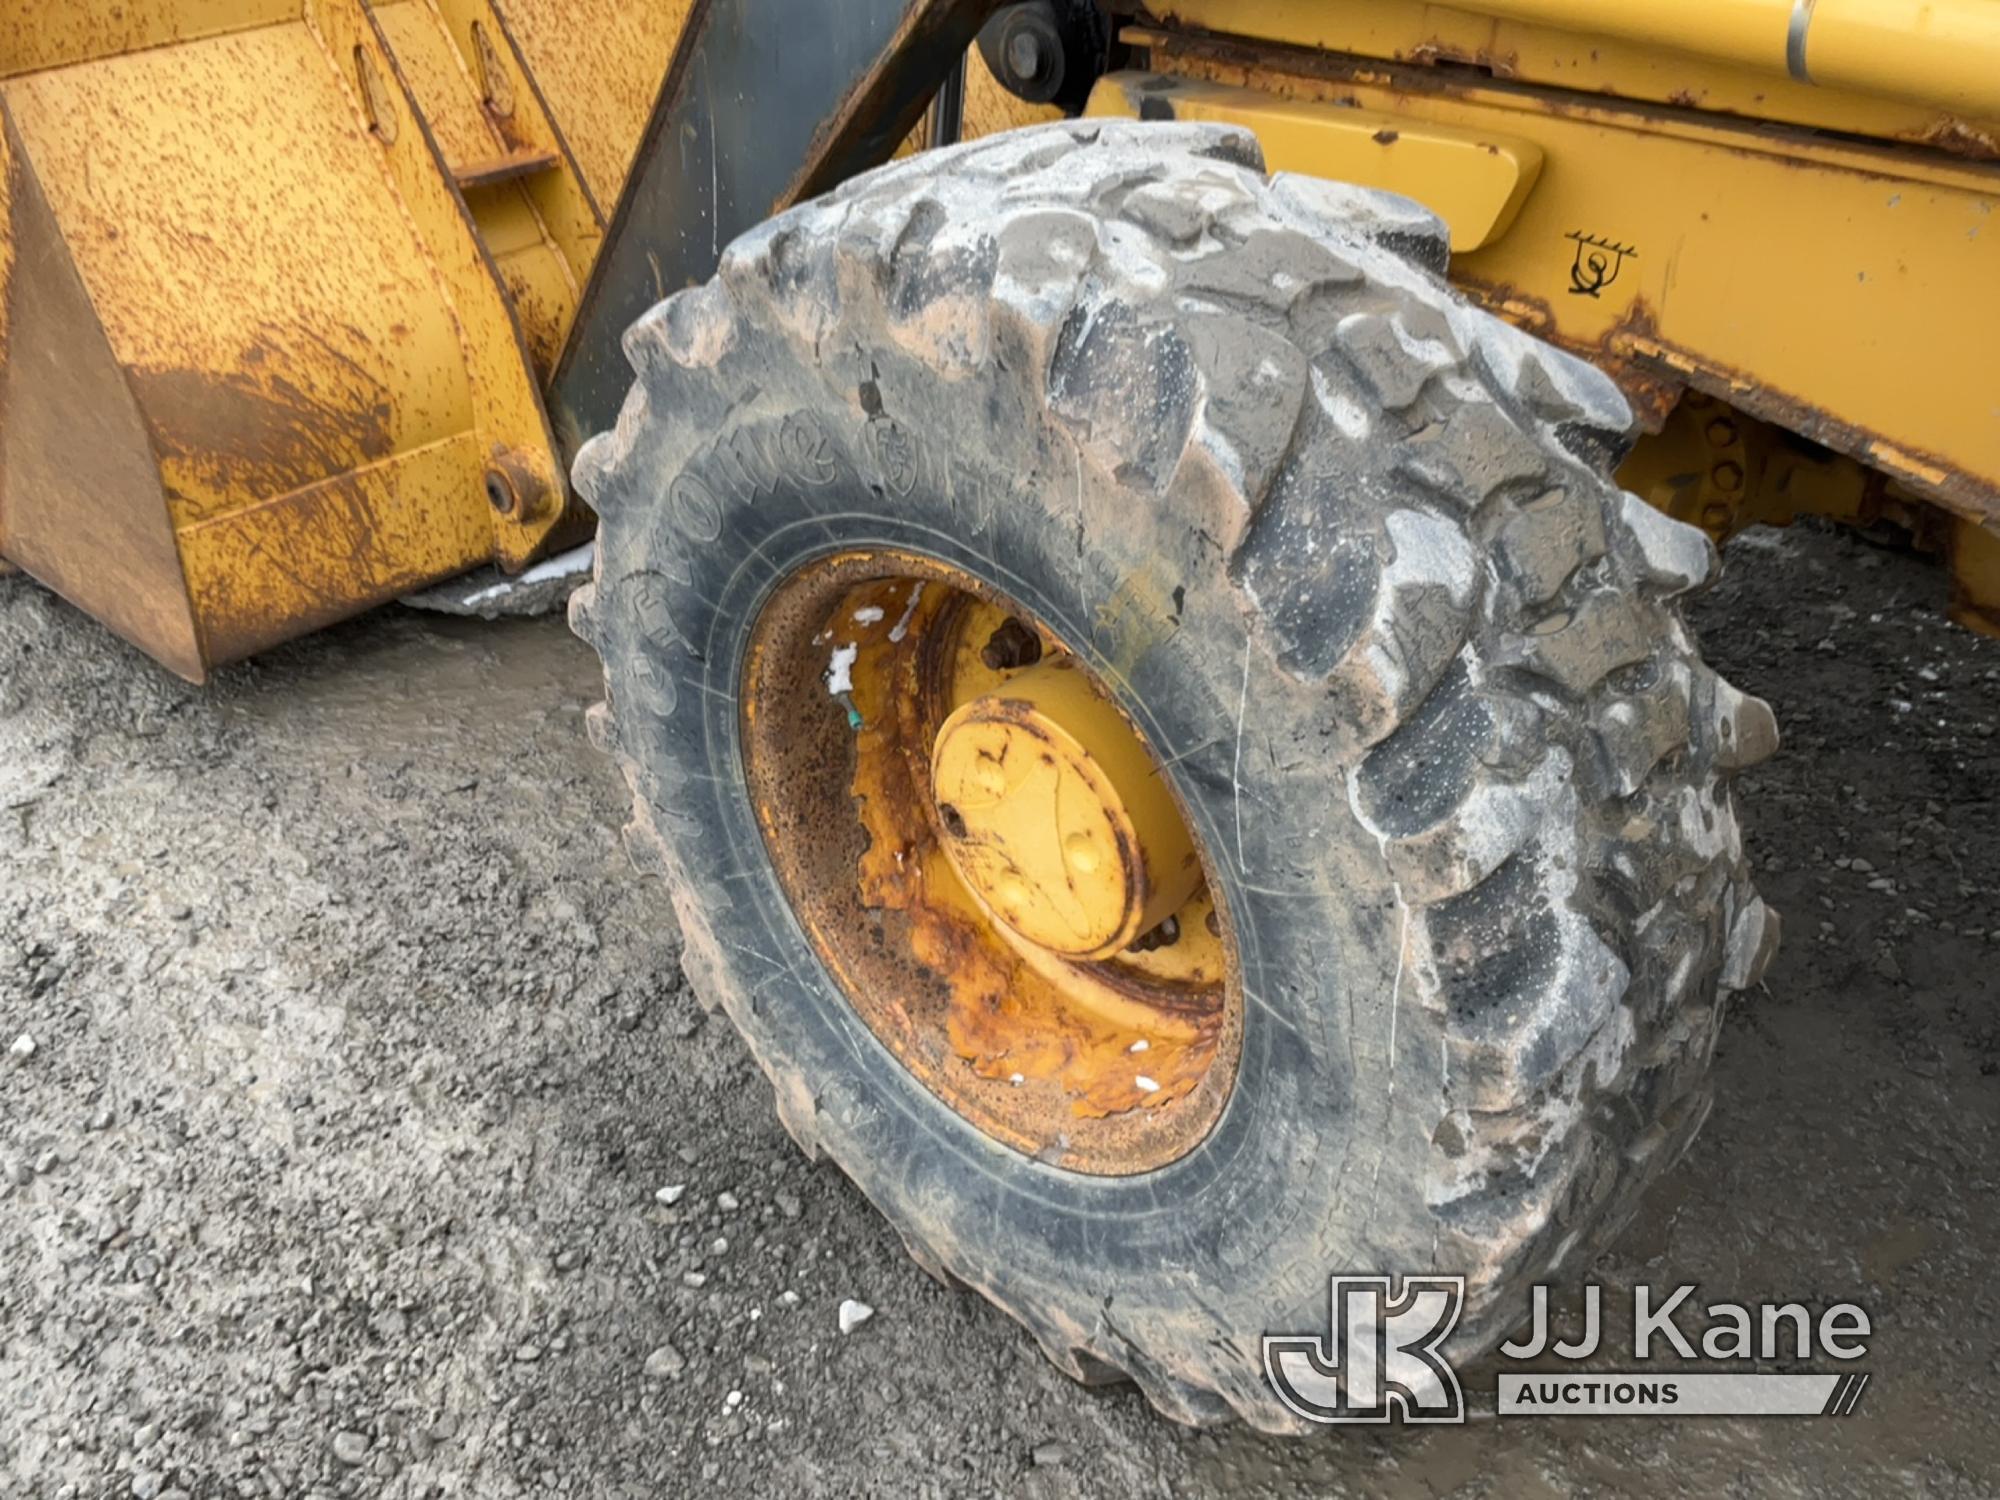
(765, 105)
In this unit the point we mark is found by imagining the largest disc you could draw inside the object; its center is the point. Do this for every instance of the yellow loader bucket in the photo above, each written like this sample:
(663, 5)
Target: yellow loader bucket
(281, 282)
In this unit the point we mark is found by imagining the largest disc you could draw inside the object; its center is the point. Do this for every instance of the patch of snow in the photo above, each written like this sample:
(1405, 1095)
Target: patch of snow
(562, 565)
(840, 670)
(1347, 414)
(902, 627)
(1430, 549)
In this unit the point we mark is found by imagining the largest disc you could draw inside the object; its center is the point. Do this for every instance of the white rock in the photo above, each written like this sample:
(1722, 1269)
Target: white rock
(1141, 1045)
(1146, 1084)
(853, 1314)
(727, 1202)
(351, 1448)
(23, 1047)
(671, 1195)
(665, 1363)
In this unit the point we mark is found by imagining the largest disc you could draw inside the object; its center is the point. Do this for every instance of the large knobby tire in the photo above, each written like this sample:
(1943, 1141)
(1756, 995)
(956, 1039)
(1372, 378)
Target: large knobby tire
(1348, 553)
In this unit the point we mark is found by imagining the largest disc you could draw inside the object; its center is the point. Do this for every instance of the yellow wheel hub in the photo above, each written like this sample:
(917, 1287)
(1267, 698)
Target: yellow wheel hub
(1055, 817)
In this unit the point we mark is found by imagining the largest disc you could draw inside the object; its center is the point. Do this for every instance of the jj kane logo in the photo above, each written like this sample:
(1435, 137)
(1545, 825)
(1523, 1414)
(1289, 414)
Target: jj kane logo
(1380, 1359)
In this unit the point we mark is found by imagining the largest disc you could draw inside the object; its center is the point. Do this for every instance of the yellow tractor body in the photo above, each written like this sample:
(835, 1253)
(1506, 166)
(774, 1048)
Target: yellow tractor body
(1786, 210)
(284, 284)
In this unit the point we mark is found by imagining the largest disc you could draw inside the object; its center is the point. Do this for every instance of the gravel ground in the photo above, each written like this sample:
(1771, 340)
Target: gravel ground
(370, 1143)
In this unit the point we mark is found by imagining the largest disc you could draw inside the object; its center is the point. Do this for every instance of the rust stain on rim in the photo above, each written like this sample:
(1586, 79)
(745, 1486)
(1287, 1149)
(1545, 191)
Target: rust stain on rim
(1110, 1067)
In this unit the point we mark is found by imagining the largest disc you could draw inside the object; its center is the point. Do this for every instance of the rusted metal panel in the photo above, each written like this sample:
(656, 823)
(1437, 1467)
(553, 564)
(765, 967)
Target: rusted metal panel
(515, 107)
(599, 65)
(279, 325)
(507, 412)
(266, 573)
(1938, 54)
(10, 190)
(319, 340)
(436, 75)
(36, 36)
(81, 504)
(490, 172)
(767, 102)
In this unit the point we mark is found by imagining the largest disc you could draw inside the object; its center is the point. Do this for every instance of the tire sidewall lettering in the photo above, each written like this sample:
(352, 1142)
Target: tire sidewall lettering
(696, 512)
(898, 456)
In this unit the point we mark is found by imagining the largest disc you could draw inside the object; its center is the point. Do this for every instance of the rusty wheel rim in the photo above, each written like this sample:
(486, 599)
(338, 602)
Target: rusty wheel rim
(1108, 1065)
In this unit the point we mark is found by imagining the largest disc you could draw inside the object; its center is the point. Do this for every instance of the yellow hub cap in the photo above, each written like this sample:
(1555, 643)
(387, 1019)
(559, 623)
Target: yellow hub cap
(1055, 817)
